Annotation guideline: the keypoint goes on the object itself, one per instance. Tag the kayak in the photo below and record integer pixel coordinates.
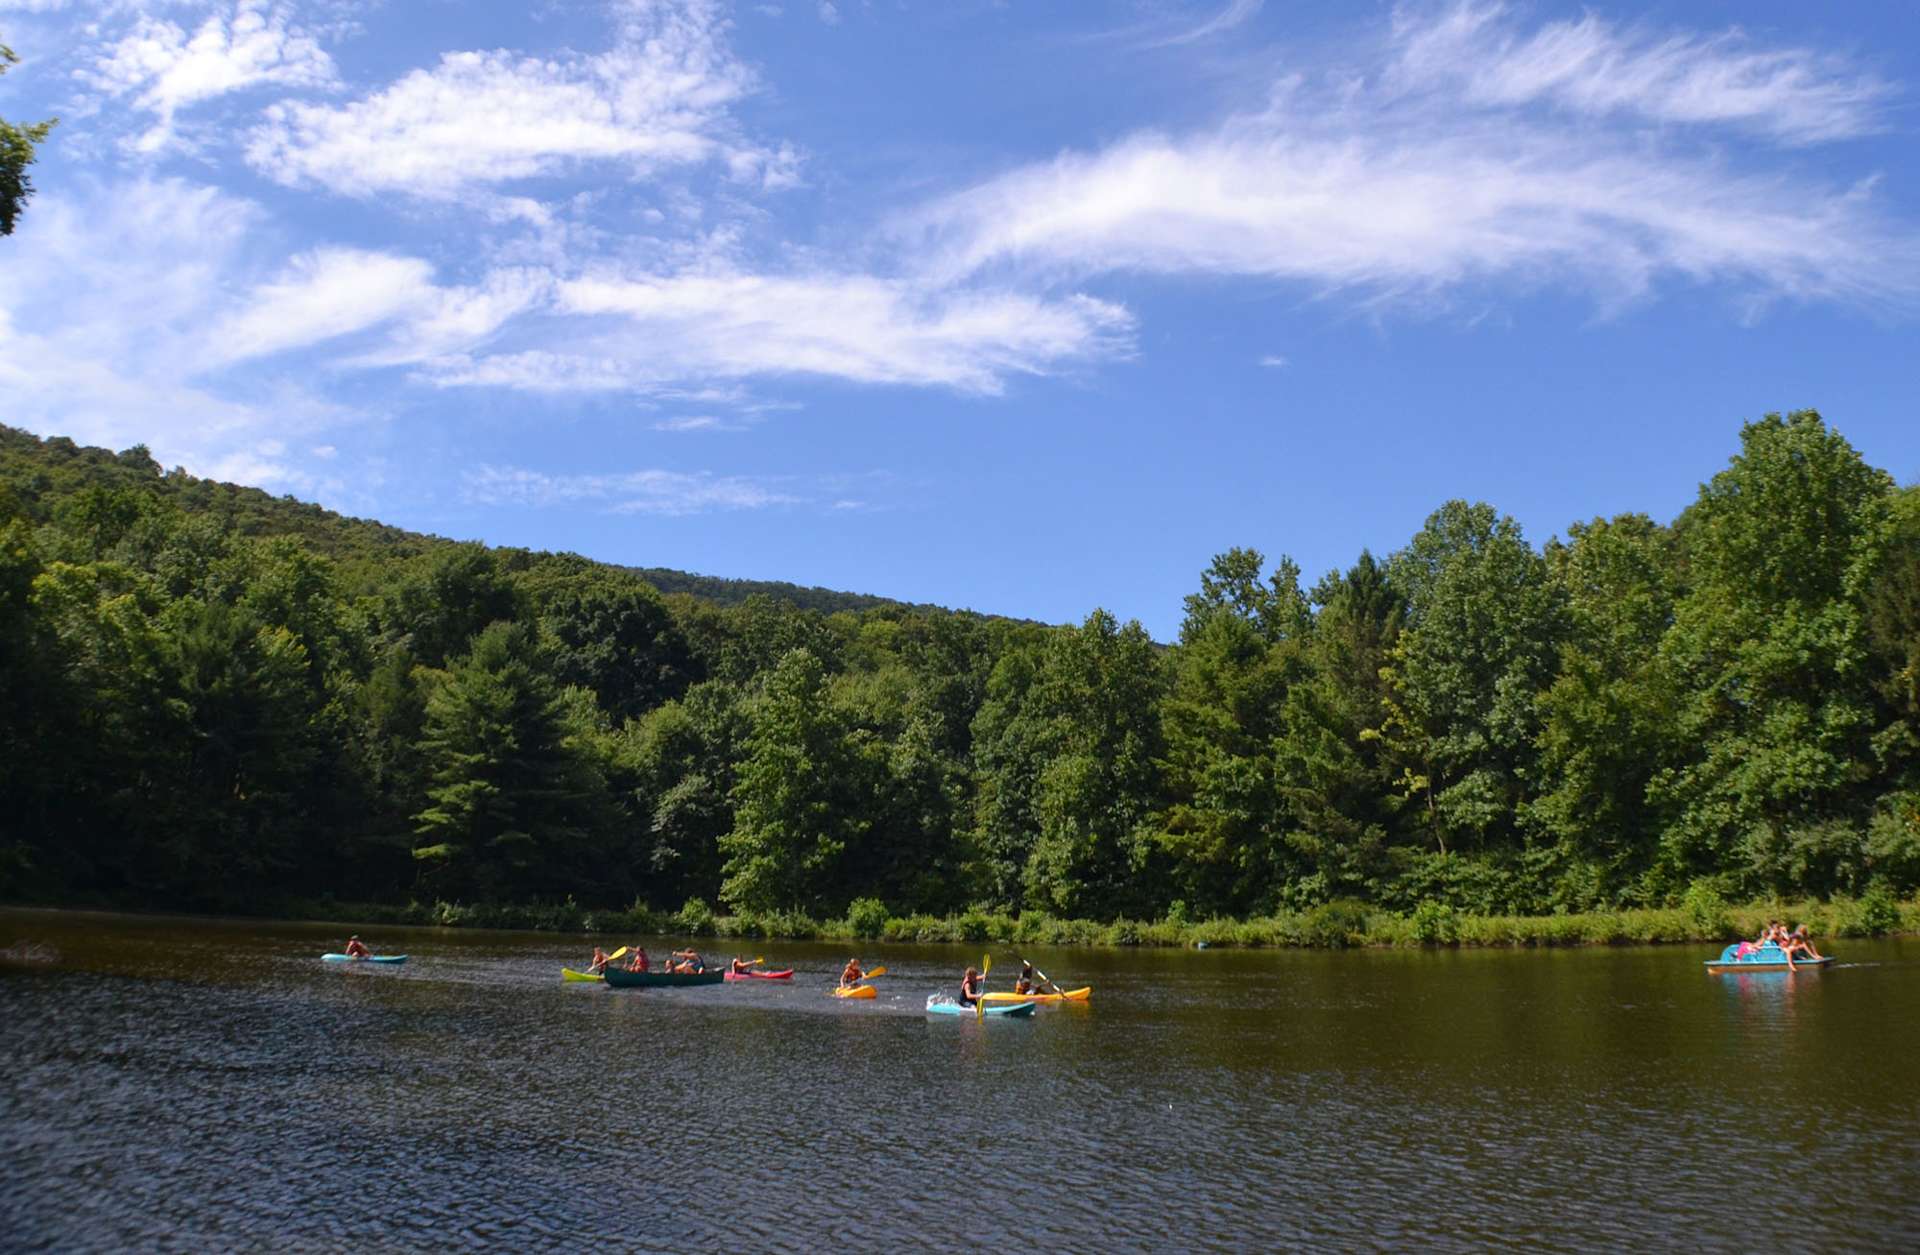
(1068, 995)
(661, 980)
(373, 958)
(1761, 959)
(940, 1004)
(856, 991)
(567, 973)
(786, 975)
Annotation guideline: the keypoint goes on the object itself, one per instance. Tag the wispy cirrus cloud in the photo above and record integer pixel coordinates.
(629, 492)
(1594, 68)
(162, 69)
(657, 332)
(660, 97)
(1465, 154)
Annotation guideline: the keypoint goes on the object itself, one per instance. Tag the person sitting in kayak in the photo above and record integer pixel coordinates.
(850, 975)
(357, 949)
(599, 963)
(970, 988)
(740, 966)
(638, 963)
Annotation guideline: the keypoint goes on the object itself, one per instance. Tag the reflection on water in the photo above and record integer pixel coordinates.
(197, 1086)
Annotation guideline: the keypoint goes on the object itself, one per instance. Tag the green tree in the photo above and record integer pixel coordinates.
(1097, 697)
(794, 813)
(512, 802)
(1334, 777)
(1768, 654)
(1242, 648)
(1607, 718)
(611, 633)
(18, 142)
(676, 769)
(1483, 630)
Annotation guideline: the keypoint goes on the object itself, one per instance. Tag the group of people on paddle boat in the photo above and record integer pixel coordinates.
(1793, 944)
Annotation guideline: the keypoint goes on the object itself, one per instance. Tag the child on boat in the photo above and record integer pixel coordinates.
(638, 963)
(740, 966)
(1798, 944)
(356, 949)
(688, 961)
(970, 988)
(599, 963)
(850, 974)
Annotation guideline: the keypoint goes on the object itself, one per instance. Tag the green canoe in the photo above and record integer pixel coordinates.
(656, 980)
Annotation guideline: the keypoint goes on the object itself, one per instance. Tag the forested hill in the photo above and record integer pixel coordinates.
(210, 697)
(56, 468)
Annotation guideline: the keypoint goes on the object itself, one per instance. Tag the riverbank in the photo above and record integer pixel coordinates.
(1701, 918)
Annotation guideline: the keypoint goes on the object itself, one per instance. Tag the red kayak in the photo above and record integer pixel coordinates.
(786, 975)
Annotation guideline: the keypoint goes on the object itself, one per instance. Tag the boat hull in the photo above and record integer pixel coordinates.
(1762, 959)
(856, 991)
(786, 975)
(661, 980)
(1017, 1009)
(1065, 995)
(567, 973)
(376, 958)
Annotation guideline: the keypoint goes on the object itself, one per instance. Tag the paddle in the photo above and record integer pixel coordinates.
(980, 1003)
(1043, 976)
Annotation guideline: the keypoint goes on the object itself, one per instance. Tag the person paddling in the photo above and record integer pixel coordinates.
(599, 963)
(357, 949)
(688, 961)
(638, 963)
(970, 987)
(740, 966)
(851, 975)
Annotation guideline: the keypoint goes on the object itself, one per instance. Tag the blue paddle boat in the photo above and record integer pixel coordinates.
(1744, 956)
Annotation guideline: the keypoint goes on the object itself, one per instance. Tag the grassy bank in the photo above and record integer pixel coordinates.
(1701, 918)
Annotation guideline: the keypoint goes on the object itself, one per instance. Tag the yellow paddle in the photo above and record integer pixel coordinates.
(980, 1003)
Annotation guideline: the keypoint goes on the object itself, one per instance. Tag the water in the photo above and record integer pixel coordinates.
(194, 1086)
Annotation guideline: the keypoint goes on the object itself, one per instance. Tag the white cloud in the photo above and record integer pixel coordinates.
(1236, 13)
(1589, 67)
(629, 492)
(1274, 360)
(1364, 185)
(166, 70)
(853, 327)
(322, 295)
(829, 14)
(697, 422)
(658, 98)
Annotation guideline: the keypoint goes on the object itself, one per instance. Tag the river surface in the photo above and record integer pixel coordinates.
(191, 1085)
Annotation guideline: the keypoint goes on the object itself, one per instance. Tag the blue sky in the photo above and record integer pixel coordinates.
(1025, 307)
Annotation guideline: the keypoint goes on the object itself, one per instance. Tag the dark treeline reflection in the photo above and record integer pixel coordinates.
(213, 698)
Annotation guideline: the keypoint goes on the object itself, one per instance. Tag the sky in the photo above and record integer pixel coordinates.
(1029, 308)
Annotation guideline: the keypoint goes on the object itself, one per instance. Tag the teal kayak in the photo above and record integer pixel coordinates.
(940, 1004)
(373, 958)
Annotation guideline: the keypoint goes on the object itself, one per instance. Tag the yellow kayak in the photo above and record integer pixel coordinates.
(567, 973)
(1071, 995)
(856, 991)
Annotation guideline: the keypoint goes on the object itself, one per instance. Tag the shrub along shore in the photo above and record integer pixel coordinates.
(1702, 918)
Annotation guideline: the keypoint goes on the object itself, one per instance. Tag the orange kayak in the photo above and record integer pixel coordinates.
(856, 991)
(1066, 995)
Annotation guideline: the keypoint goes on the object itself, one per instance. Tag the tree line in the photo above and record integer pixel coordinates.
(213, 698)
